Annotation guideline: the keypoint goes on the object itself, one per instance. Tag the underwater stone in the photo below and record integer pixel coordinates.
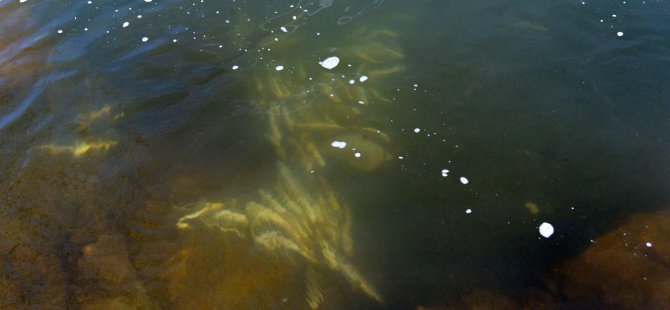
(619, 270)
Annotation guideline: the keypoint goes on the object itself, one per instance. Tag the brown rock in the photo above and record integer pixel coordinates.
(105, 270)
(627, 268)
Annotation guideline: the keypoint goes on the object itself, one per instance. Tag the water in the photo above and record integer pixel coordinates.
(185, 170)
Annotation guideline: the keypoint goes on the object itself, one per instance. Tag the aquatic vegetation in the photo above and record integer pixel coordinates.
(80, 148)
(286, 155)
(296, 229)
(310, 105)
(91, 124)
(290, 223)
(315, 110)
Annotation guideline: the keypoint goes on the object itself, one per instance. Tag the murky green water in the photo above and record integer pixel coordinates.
(197, 155)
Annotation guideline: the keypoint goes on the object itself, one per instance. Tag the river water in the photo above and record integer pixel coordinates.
(181, 155)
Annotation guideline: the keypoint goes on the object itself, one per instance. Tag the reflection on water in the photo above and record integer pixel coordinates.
(331, 154)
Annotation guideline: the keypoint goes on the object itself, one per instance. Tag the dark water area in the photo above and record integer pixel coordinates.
(201, 155)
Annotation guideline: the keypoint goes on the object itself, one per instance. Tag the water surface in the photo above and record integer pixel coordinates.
(479, 121)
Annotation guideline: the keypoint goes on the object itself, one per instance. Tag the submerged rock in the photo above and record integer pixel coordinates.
(627, 268)
(107, 264)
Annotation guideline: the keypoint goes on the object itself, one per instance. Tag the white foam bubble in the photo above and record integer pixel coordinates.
(235, 67)
(339, 144)
(417, 130)
(648, 244)
(357, 154)
(445, 172)
(279, 68)
(330, 62)
(468, 211)
(619, 34)
(363, 78)
(126, 24)
(145, 39)
(464, 180)
(546, 230)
